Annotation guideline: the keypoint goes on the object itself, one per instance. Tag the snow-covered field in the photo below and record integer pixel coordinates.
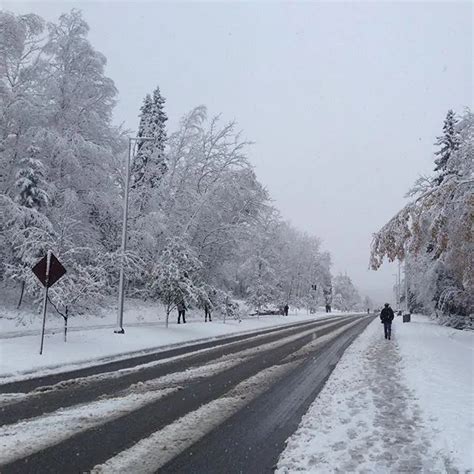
(404, 405)
(27, 320)
(91, 340)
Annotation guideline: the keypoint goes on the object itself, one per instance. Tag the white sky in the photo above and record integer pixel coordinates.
(343, 100)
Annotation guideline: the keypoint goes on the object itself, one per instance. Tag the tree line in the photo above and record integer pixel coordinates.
(201, 226)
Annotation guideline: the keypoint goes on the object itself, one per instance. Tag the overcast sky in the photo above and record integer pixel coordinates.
(342, 100)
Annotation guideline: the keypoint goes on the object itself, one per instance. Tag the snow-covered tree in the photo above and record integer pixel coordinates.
(368, 303)
(149, 162)
(175, 276)
(449, 144)
(346, 297)
(30, 181)
(262, 288)
(202, 224)
(433, 232)
(58, 149)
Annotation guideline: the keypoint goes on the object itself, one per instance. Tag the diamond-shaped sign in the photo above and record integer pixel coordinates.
(56, 270)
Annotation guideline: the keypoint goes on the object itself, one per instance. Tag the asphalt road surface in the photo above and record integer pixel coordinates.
(220, 406)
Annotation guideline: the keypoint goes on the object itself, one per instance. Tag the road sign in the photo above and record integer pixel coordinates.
(48, 271)
(56, 271)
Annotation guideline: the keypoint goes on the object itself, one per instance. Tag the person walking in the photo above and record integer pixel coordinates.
(181, 311)
(285, 310)
(386, 316)
(207, 311)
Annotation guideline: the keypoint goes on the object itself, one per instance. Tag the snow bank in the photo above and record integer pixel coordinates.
(438, 363)
(136, 312)
(27, 320)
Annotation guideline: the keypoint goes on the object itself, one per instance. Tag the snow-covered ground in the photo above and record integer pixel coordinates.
(405, 405)
(91, 339)
(27, 320)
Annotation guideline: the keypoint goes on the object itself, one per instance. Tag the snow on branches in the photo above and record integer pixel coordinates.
(202, 228)
(433, 232)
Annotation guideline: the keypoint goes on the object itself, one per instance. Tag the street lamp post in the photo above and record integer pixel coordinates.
(119, 329)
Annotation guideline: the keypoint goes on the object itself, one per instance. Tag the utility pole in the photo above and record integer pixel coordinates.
(119, 329)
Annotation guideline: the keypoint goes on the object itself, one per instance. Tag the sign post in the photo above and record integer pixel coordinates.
(48, 271)
(45, 300)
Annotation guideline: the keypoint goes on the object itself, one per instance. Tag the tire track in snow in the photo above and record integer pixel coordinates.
(155, 451)
(25, 438)
(262, 358)
(70, 384)
(52, 375)
(150, 454)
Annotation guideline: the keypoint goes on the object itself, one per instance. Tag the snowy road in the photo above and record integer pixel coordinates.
(189, 410)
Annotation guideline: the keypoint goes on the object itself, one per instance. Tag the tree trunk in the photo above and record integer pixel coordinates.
(65, 325)
(21, 294)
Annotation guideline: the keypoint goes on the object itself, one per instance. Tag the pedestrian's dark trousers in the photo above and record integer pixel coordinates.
(181, 313)
(387, 326)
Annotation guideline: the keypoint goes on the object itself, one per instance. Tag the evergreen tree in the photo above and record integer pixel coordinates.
(30, 181)
(140, 160)
(149, 164)
(449, 143)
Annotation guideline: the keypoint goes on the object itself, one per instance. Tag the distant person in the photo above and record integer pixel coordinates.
(328, 308)
(368, 310)
(207, 311)
(285, 310)
(181, 311)
(386, 316)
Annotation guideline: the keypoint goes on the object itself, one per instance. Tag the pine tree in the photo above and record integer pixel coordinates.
(449, 143)
(141, 159)
(30, 180)
(149, 164)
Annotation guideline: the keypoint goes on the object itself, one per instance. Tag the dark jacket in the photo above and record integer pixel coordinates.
(386, 316)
